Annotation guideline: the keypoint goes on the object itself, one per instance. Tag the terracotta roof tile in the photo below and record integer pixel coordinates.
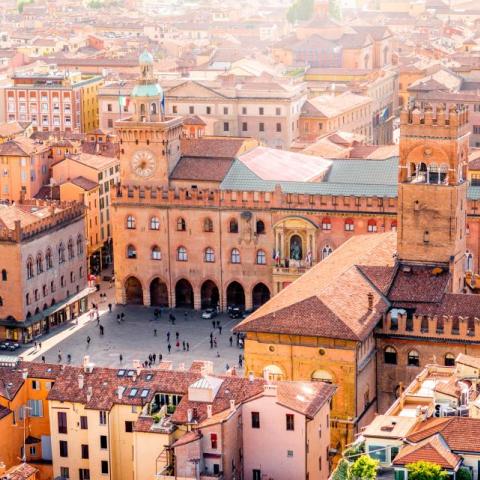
(23, 471)
(203, 169)
(84, 183)
(211, 147)
(4, 411)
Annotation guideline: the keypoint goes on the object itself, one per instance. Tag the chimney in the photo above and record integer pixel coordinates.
(209, 411)
(189, 415)
(3, 468)
(251, 377)
(120, 391)
(232, 405)
(86, 361)
(370, 301)
(138, 369)
(89, 393)
(181, 367)
(80, 382)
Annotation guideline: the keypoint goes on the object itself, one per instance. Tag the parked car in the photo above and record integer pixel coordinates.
(209, 313)
(10, 346)
(235, 312)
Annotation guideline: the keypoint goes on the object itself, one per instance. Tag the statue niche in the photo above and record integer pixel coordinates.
(296, 252)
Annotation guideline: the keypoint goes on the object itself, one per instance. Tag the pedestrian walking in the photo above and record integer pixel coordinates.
(188, 347)
(110, 307)
(220, 329)
(185, 315)
(88, 341)
(211, 343)
(69, 358)
(169, 347)
(150, 357)
(240, 360)
(184, 346)
(59, 357)
(211, 335)
(177, 335)
(218, 354)
(160, 357)
(39, 345)
(101, 330)
(154, 357)
(122, 316)
(213, 323)
(154, 332)
(178, 345)
(227, 367)
(231, 341)
(168, 337)
(215, 342)
(120, 357)
(43, 358)
(35, 344)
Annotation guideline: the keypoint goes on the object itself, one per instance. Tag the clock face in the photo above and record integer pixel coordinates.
(144, 163)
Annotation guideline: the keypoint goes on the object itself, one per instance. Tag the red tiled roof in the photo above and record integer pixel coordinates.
(381, 277)
(203, 169)
(188, 438)
(11, 381)
(432, 450)
(452, 304)
(84, 183)
(4, 411)
(211, 147)
(23, 471)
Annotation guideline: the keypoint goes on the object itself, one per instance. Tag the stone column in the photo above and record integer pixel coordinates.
(146, 297)
(197, 298)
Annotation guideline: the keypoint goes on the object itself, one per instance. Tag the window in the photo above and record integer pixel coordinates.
(61, 253)
(261, 110)
(29, 267)
(182, 255)
(4, 275)
(261, 127)
(129, 427)
(449, 360)
(156, 253)
(64, 472)
(256, 474)
(349, 225)
(235, 256)
(208, 225)
(261, 257)
(104, 467)
(372, 226)
(278, 111)
(36, 408)
(154, 223)
(191, 109)
(35, 385)
(326, 223)
(213, 441)
(131, 252)
(103, 441)
(279, 127)
(63, 448)
(48, 259)
(39, 263)
(84, 474)
(102, 417)
(130, 222)
(226, 126)
(79, 245)
(377, 452)
(390, 355)
(71, 253)
(181, 225)
(209, 110)
(260, 227)
(62, 422)
(290, 420)
(84, 422)
(233, 226)
(244, 110)
(84, 449)
(209, 255)
(174, 109)
(225, 111)
(244, 127)
(413, 358)
(255, 420)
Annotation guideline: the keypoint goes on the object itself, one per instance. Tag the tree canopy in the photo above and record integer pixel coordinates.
(300, 10)
(426, 471)
(363, 468)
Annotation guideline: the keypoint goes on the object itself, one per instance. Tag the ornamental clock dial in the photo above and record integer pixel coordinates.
(144, 163)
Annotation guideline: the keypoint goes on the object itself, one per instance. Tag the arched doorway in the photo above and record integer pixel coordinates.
(260, 295)
(209, 295)
(158, 293)
(183, 294)
(134, 291)
(235, 295)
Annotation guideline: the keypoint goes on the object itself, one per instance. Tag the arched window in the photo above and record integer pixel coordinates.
(48, 259)
(233, 226)
(182, 255)
(181, 225)
(154, 223)
(440, 325)
(4, 275)
(142, 109)
(390, 355)
(261, 257)
(29, 267)
(413, 358)
(1, 302)
(322, 376)
(131, 252)
(349, 225)
(424, 324)
(27, 299)
(326, 251)
(156, 253)
(260, 227)
(79, 245)
(153, 108)
(326, 223)
(131, 224)
(208, 225)
(372, 225)
(71, 253)
(209, 255)
(61, 253)
(235, 255)
(449, 360)
(39, 263)
(468, 261)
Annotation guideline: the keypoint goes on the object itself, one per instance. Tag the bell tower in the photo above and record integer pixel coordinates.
(432, 189)
(149, 140)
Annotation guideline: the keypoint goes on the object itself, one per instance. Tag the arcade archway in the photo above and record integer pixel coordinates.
(260, 295)
(133, 291)
(158, 293)
(209, 293)
(183, 294)
(235, 295)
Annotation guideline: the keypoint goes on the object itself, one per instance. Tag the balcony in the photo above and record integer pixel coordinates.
(291, 270)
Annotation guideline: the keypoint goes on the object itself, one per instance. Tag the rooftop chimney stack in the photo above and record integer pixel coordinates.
(80, 381)
(209, 411)
(251, 377)
(89, 393)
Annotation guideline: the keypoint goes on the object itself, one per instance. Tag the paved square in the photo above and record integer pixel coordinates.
(134, 338)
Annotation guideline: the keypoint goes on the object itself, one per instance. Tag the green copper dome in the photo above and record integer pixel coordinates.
(150, 90)
(145, 57)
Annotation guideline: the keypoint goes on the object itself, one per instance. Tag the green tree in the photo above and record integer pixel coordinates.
(426, 471)
(300, 10)
(464, 474)
(363, 468)
(341, 472)
(335, 9)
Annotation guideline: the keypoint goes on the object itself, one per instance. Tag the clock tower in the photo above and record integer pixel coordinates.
(149, 141)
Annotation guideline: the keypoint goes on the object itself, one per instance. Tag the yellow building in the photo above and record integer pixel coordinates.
(320, 328)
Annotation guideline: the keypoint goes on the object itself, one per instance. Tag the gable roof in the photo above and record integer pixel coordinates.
(318, 304)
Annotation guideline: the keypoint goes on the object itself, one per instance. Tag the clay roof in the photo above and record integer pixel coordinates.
(12, 148)
(432, 450)
(203, 169)
(319, 302)
(10, 128)
(389, 426)
(24, 471)
(11, 381)
(381, 277)
(461, 434)
(4, 411)
(332, 106)
(193, 120)
(454, 304)
(98, 162)
(84, 183)
(188, 438)
(211, 147)
(468, 360)
(47, 192)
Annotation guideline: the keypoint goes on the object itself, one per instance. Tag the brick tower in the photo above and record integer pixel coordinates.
(433, 189)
